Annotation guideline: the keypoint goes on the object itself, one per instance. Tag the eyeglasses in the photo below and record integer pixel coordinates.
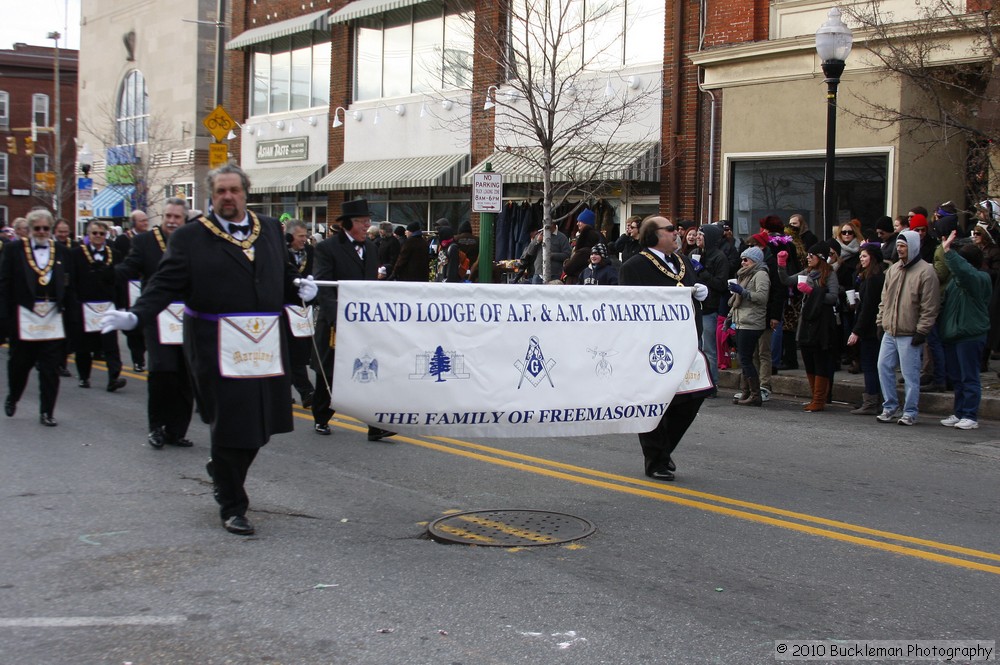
(668, 229)
(744, 259)
(847, 233)
(40, 228)
(98, 233)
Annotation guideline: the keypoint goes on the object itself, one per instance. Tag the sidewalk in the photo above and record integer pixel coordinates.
(848, 387)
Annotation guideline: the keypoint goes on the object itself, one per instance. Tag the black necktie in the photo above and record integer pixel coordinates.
(239, 228)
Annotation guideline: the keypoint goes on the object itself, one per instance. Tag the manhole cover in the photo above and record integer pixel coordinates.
(509, 528)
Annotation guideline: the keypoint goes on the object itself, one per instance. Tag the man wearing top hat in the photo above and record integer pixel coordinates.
(346, 255)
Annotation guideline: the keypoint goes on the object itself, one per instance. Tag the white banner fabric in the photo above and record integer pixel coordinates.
(513, 360)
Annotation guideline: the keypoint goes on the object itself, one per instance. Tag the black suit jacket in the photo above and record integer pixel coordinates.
(213, 276)
(19, 284)
(640, 271)
(337, 259)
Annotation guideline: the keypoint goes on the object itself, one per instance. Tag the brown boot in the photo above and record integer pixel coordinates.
(820, 389)
(871, 405)
(811, 378)
(744, 389)
(753, 398)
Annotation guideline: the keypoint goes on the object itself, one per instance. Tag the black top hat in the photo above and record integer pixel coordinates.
(356, 208)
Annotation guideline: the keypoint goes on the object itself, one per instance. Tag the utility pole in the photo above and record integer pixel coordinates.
(56, 133)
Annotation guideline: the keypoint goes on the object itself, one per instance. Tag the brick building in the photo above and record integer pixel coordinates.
(27, 97)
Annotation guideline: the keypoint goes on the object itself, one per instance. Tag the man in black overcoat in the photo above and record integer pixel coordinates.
(170, 398)
(660, 264)
(34, 272)
(230, 269)
(94, 279)
(346, 255)
(135, 339)
(301, 256)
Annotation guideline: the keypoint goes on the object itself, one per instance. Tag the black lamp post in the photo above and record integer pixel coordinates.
(833, 45)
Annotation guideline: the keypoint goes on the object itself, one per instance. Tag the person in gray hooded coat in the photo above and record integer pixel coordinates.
(712, 271)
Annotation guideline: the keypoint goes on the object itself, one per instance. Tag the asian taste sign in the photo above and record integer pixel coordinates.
(283, 150)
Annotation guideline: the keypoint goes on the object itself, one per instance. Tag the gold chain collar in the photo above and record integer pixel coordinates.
(679, 277)
(242, 244)
(160, 240)
(90, 257)
(41, 272)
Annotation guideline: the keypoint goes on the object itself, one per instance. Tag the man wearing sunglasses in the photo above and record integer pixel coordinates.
(94, 276)
(660, 264)
(35, 291)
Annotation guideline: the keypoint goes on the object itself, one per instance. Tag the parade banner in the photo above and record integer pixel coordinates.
(513, 360)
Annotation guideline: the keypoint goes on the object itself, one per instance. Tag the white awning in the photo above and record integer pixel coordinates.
(362, 8)
(276, 180)
(316, 21)
(431, 171)
(113, 201)
(618, 161)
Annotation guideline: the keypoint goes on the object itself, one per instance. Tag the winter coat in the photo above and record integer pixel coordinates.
(911, 297)
(965, 312)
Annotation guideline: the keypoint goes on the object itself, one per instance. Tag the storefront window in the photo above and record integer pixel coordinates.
(782, 187)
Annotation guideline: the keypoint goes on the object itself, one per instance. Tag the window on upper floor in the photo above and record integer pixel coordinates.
(4, 109)
(598, 35)
(40, 109)
(132, 113)
(4, 216)
(422, 48)
(4, 183)
(290, 74)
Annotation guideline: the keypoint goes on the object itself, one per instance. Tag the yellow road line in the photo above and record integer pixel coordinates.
(671, 495)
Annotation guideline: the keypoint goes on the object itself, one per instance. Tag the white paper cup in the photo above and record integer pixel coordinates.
(852, 296)
(803, 279)
(696, 257)
(733, 281)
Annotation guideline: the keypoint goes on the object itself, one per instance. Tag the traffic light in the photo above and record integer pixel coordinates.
(12, 145)
(29, 146)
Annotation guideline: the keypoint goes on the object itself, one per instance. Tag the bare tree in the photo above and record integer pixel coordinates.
(949, 55)
(148, 152)
(558, 110)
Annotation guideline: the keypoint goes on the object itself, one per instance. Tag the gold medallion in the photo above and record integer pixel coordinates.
(44, 279)
(249, 253)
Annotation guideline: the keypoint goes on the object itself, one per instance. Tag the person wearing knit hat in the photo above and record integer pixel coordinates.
(911, 299)
(772, 224)
(761, 239)
(587, 236)
(599, 271)
(818, 334)
(748, 316)
(918, 221)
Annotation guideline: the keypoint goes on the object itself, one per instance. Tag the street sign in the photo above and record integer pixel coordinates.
(219, 123)
(218, 155)
(84, 198)
(487, 192)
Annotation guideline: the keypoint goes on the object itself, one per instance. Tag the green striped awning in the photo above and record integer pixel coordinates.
(582, 163)
(275, 180)
(430, 171)
(362, 8)
(318, 21)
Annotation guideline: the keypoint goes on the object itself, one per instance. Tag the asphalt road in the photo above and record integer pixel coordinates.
(782, 526)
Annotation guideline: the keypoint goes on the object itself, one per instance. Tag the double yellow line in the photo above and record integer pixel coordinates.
(888, 541)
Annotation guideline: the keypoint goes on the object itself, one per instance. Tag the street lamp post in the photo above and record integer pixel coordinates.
(833, 45)
(56, 129)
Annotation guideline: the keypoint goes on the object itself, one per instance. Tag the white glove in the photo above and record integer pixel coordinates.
(117, 320)
(700, 292)
(307, 289)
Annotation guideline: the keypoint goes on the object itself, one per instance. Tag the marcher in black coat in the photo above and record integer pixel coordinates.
(170, 394)
(135, 339)
(32, 271)
(301, 256)
(659, 264)
(347, 255)
(94, 276)
(231, 270)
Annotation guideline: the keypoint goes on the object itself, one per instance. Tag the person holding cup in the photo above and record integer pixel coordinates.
(748, 316)
(817, 331)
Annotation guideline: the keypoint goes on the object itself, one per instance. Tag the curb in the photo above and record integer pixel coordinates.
(795, 384)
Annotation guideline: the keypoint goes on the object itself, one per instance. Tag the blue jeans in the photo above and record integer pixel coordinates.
(777, 336)
(963, 359)
(898, 352)
(708, 344)
(868, 357)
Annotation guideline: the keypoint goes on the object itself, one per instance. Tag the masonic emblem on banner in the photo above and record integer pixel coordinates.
(534, 365)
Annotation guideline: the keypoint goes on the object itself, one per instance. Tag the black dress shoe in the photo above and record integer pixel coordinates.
(139, 367)
(179, 442)
(239, 525)
(84, 383)
(115, 384)
(156, 438)
(47, 420)
(662, 474)
(322, 429)
(376, 434)
(9, 407)
(670, 464)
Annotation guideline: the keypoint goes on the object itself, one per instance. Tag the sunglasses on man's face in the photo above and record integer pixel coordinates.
(39, 228)
(847, 233)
